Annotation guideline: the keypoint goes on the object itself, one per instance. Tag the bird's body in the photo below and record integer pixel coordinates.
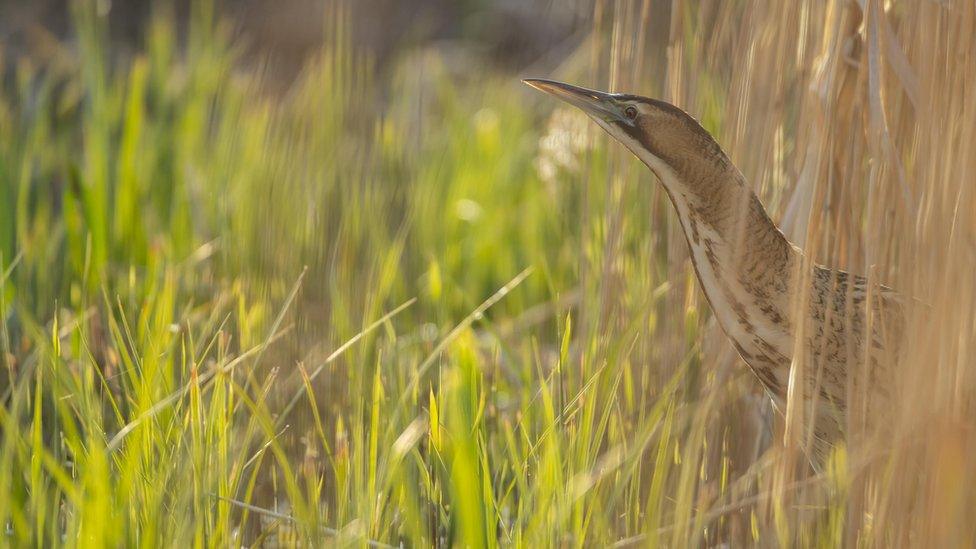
(764, 293)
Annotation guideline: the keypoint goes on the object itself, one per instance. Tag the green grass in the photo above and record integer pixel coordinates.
(388, 306)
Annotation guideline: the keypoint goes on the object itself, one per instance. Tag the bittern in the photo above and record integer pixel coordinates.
(765, 296)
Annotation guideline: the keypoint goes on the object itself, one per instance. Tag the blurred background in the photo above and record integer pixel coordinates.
(506, 35)
(315, 272)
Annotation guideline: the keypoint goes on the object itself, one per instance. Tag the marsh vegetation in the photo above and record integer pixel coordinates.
(418, 304)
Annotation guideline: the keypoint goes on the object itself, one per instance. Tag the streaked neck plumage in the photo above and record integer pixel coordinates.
(760, 288)
(744, 263)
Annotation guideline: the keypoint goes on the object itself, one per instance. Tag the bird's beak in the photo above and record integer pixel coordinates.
(595, 103)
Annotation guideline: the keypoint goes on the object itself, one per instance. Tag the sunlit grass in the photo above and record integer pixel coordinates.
(417, 307)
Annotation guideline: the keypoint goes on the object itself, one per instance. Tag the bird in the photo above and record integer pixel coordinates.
(776, 307)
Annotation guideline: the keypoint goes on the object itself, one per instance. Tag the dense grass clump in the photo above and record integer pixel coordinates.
(414, 306)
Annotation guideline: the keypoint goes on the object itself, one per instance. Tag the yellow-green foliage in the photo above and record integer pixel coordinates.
(417, 306)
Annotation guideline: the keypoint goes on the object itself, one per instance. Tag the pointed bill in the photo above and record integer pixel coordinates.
(598, 104)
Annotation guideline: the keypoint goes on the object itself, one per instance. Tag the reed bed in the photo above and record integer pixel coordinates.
(418, 305)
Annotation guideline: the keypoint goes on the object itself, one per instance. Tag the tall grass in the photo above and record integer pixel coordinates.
(415, 306)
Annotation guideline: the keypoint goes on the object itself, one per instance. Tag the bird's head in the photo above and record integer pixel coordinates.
(663, 136)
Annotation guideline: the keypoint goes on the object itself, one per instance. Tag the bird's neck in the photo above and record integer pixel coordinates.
(744, 263)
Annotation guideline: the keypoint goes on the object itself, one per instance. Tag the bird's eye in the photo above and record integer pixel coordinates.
(630, 112)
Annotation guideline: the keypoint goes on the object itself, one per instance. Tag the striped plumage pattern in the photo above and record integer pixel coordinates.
(769, 299)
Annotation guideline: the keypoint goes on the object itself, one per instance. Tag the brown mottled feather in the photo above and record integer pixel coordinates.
(757, 280)
(765, 294)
